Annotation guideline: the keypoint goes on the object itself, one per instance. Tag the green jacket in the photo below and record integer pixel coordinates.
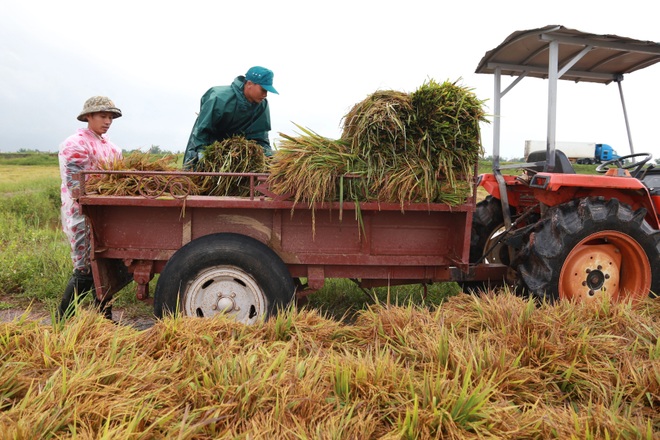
(225, 112)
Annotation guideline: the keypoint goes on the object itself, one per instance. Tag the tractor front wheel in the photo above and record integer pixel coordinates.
(487, 227)
(485, 244)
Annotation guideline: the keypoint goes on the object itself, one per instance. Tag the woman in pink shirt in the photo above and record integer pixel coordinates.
(84, 150)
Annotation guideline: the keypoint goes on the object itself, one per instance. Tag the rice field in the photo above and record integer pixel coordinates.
(475, 367)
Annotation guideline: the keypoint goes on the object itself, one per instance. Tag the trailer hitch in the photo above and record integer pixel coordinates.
(142, 274)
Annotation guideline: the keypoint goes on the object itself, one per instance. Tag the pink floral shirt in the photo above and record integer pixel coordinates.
(80, 151)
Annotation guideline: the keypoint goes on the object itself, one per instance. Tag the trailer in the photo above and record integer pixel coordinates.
(246, 255)
(547, 232)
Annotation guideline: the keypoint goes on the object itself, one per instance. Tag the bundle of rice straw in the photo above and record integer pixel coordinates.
(377, 130)
(309, 167)
(378, 124)
(232, 155)
(131, 184)
(446, 128)
(413, 179)
(418, 148)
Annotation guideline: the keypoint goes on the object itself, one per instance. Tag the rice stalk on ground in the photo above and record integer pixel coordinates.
(489, 366)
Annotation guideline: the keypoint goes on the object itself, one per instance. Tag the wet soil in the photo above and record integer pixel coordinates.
(14, 307)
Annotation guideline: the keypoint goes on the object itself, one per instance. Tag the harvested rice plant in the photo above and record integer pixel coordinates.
(311, 168)
(232, 155)
(377, 129)
(420, 147)
(474, 367)
(127, 184)
(446, 125)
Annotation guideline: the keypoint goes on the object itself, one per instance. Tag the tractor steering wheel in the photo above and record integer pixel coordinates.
(602, 168)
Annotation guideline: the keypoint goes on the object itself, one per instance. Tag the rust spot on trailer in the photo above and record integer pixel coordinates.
(248, 222)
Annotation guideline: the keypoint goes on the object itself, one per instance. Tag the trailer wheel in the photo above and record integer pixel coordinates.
(224, 273)
(590, 248)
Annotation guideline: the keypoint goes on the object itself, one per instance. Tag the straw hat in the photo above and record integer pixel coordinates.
(99, 104)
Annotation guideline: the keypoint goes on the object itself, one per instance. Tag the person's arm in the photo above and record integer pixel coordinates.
(204, 132)
(75, 158)
(259, 129)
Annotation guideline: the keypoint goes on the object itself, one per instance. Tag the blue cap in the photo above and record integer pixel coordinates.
(262, 76)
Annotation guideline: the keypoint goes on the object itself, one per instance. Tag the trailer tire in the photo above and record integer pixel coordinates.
(224, 273)
(590, 248)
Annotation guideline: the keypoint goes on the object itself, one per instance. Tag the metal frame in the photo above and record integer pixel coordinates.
(552, 39)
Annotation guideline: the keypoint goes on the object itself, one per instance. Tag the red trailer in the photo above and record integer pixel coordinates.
(245, 255)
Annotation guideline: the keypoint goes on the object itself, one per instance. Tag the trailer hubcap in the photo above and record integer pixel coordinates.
(607, 263)
(225, 290)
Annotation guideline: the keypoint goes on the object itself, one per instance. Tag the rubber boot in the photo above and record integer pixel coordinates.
(77, 288)
(104, 307)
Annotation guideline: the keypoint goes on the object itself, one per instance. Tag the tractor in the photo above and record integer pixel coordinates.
(569, 236)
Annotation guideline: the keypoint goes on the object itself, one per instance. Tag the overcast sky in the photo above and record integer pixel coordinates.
(155, 59)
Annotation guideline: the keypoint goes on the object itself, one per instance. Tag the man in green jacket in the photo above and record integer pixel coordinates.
(238, 109)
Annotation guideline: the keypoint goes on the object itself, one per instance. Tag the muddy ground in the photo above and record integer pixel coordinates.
(12, 307)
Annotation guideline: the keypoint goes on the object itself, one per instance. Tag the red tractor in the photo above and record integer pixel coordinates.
(566, 235)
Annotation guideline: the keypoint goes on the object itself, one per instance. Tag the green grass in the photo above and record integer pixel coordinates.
(28, 159)
(342, 299)
(34, 253)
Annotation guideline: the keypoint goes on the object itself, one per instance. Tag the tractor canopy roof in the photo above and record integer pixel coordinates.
(581, 56)
(553, 53)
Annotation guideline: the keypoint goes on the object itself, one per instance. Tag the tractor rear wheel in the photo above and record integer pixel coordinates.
(590, 248)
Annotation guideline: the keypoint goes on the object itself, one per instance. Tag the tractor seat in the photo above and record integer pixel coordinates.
(562, 164)
(651, 179)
